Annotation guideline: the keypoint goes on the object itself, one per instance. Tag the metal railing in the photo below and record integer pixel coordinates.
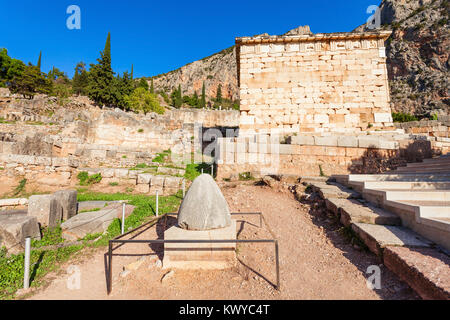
(119, 240)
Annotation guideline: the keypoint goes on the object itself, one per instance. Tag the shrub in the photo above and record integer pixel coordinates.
(142, 100)
(403, 117)
(245, 176)
(86, 180)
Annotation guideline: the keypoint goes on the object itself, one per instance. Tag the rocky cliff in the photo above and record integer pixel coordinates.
(418, 55)
(219, 68)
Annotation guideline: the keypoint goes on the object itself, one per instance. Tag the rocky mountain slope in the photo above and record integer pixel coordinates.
(417, 53)
(219, 68)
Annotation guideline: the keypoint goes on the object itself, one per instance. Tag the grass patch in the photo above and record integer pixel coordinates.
(113, 184)
(322, 174)
(86, 179)
(90, 210)
(193, 170)
(45, 261)
(20, 188)
(161, 157)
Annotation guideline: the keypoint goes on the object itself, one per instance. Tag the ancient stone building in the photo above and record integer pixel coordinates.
(314, 83)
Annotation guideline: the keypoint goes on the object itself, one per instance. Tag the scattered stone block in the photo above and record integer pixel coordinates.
(68, 201)
(93, 222)
(13, 202)
(14, 228)
(46, 209)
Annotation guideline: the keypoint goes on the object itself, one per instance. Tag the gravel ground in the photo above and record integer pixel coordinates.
(316, 260)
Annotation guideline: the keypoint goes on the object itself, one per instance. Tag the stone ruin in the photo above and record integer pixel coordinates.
(203, 215)
(315, 104)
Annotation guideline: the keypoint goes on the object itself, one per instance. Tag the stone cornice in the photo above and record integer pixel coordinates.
(343, 36)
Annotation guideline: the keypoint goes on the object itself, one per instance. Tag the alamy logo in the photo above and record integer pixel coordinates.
(374, 281)
(74, 280)
(74, 20)
(374, 21)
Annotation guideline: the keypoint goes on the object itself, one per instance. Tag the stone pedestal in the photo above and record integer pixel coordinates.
(200, 255)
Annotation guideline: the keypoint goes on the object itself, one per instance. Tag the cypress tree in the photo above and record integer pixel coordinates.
(203, 99)
(152, 88)
(219, 93)
(101, 78)
(179, 97)
(132, 73)
(39, 61)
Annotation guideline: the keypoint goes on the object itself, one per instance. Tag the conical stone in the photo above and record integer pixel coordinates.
(204, 206)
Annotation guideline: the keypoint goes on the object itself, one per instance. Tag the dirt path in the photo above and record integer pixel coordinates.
(316, 261)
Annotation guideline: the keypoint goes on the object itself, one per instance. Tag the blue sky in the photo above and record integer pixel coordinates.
(158, 36)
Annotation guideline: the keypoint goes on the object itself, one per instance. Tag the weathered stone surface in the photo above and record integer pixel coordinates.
(46, 208)
(93, 222)
(200, 255)
(426, 270)
(377, 237)
(13, 202)
(14, 228)
(204, 206)
(172, 182)
(68, 201)
(144, 178)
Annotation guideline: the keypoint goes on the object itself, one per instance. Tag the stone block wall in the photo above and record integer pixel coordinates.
(319, 83)
(314, 155)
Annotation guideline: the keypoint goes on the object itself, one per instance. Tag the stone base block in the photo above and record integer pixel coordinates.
(200, 255)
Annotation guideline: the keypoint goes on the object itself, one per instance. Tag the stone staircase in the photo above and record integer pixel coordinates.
(419, 194)
(403, 216)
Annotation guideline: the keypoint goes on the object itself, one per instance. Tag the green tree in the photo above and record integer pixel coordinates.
(30, 82)
(219, 94)
(80, 81)
(142, 100)
(39, 61)
(9, 68)
(123, 87)
(152, 87)
(132, 72)
(101, 78)
(203, 99)
(143, 84)
(177, 97)
(58, 76)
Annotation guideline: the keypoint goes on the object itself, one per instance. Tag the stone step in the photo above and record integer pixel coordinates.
(428, 164)
(378, 196)
(433, 169)
(405, 177)
(352, 211)
(426, 270)
(331, 190)
(377, 237)
(406, 185)
(444, 159)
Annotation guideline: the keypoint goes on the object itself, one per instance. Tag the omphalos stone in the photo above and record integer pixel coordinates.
(204, 206)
